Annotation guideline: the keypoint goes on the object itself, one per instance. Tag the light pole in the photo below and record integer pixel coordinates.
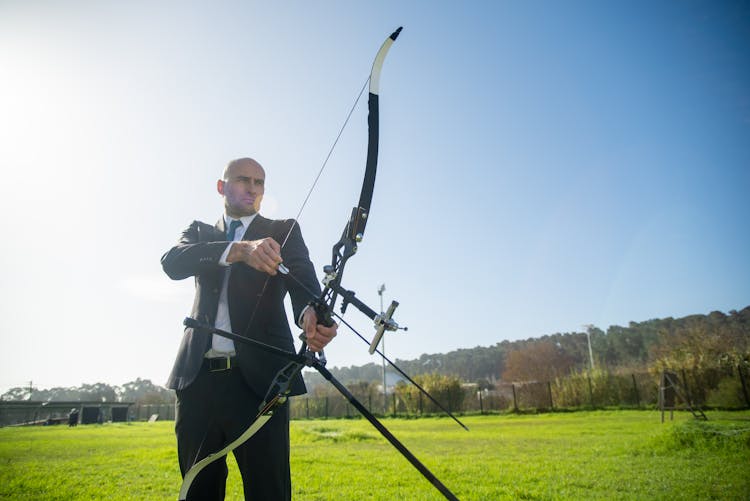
(588, 338)
(381, 289)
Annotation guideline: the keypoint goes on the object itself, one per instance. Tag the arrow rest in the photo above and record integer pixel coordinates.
(330, 275)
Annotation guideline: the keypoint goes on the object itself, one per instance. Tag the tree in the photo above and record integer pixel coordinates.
(445, 389)
(704, 341)
(143, 391)
(98, 391)
(16, 394)
(541, 361)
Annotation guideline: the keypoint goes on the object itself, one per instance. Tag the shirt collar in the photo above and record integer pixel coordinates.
(246, 220)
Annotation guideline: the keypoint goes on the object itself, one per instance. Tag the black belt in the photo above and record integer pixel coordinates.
(219, 363)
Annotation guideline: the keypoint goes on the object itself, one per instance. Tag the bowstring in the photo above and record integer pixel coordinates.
(307, 198)
(325, 162)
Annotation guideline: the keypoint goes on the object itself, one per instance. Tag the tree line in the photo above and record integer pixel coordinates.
(140, 391)
(694, 342)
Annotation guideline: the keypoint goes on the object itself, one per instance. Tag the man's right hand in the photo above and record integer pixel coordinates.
(264, 255)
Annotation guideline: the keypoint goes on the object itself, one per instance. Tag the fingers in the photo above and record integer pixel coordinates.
(317, 335)
(321, 336)
(308, 323)
(264, 255)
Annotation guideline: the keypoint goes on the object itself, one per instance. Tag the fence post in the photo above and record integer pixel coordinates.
(515, 401)
(591, 392)
(421, 409)
(635, 388)
(326, 407)
(687, 388)
(549, 392)
(744, 384)
(481, 406)
(394, 403)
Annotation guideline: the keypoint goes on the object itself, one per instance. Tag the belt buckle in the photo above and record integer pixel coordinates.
(218, 364)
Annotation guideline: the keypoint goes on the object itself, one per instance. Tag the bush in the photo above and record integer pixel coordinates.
(708, 435)
(728, 394)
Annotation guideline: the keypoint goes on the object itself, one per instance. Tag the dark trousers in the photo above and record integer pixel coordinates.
(214, 410)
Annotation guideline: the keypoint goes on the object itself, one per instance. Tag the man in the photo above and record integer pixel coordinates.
(221, 383)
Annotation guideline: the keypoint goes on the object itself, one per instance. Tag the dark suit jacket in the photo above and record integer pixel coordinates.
(197, 254)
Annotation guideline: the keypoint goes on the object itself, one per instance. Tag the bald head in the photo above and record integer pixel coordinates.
(241, 161)
(242, 186)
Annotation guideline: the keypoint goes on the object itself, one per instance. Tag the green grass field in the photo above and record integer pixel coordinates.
(583, 455)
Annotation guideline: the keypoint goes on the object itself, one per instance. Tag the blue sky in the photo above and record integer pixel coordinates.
(543, 165)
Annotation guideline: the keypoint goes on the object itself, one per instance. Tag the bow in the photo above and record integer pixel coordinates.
(324, 303)
(354, 230)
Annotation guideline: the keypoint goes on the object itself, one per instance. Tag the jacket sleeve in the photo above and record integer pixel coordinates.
(198, 250)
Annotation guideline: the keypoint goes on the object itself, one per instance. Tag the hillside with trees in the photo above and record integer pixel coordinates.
(716, 341)
(694, 342)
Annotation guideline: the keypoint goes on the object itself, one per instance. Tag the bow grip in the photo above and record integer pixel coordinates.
(323, 312)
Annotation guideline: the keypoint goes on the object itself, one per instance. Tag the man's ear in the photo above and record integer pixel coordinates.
(220, 186)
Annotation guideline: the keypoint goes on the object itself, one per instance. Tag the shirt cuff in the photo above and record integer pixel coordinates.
(225, 254)
(302, 316)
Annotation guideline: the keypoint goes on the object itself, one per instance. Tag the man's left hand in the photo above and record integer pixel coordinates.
(318, 336)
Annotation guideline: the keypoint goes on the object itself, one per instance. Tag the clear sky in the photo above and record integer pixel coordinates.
(544, 165)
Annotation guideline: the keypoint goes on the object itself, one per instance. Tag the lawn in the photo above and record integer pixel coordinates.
(582, 455)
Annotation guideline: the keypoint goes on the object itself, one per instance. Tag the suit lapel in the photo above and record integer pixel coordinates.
(221, 228)
(259, 228)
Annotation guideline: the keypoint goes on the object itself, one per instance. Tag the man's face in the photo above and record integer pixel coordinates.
(242, 189)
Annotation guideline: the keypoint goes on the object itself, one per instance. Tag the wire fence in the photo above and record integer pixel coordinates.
(724, 388)
(720, 388)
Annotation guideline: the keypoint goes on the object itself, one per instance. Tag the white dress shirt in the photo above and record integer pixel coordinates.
(221, 346)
